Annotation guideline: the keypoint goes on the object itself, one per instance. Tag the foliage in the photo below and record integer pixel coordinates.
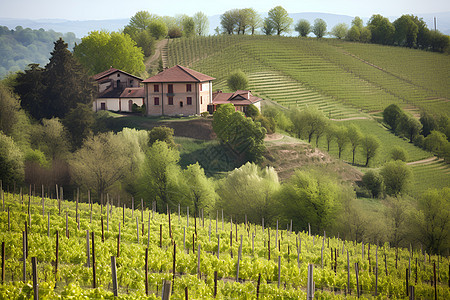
(267, 122)
(309, 122)
(201, 23)
(198, 188)
(303, 27)
(309, 198)
(432, 220)
(340, 30)
(341, 139)
(392, 115)
(11, 161)
(370, 144)
(158, 29)
(100, 50)
(355, 138)
(52, 139)
(237, 81)
(409, 126)
(242, 134)
(188, 25)
(145, 41)
(159, 178)
(9, 109)
(23, 46)
(381, 29)
(398, 211)
(252, 112)
(249, 191)
(406, 31)
(279, 18)
(79, 123)
(162, 134)
(373, 182)
(396, 177)
(436, 142)
(228, 21)
(319, 28)
(399, 153)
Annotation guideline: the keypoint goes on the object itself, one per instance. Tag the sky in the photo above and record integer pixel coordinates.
(124, 9)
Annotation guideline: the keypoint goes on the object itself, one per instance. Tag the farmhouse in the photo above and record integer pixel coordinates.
(118, 91)
(174, 91)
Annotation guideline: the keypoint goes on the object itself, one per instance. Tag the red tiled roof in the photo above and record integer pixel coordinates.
(133, 92)
(236, 98)
(112, 71)
(179, 74)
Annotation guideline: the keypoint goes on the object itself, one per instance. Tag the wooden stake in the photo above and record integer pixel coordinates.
(57, 257)
(3, 262)
(257, 287)
(146, 271)
(114, 276)
(35, 278)
(94, 279)
(118, 242)
(88, 256)
(215, 284)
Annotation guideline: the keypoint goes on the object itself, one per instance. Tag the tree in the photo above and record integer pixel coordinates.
(252, 112)
(423, 33)
(436, 142)
(145, 41)
(188, 27)
(373, 182)
(201, 24)
(432, 220)
(309, 122)
(9, 107)
(409, 126)
(439, 42)
(381, 29)
(396, 177)
(354, 34)
(160, 174)
(199, 189)
(303, 27)
(397, 213)
(370, 145)
(365, 36)
(254, 19)
(310, 198)
(228, 21)
(405, 31)
(268, 27)
(237, 81)
(429, 123)
(89, 167)
(319, 28)
(358, 23)
(355, 138)
(392, 115)
(11, 161)
(340, 30)
(341, 139)
(52, 139)
(79, 123)
(141, 20)
(162, 134)
(398, 153)
(280, 19)
(158, 29)
(249, 191)
(100, 50)
(330, 134)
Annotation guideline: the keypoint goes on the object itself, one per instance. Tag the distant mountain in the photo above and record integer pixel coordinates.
(82, 28)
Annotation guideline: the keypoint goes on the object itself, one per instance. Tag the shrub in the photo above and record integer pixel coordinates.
(398, 153)
(373, 182)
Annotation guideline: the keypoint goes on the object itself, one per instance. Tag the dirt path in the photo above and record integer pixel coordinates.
(152, 60)
(349, 119)
(424, 161)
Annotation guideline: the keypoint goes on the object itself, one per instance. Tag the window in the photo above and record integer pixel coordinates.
(156, 88)
(189, 100)
(170, 100)
(181, 103)
(201, 99)
(170, 89)
(200, 86)
(156, 99)
(188, 87)
(118, 75)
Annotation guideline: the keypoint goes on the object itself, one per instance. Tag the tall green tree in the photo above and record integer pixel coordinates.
(340, 30)
(9, 108)
(100, 50)
(158, 29)
(188, 25)
(303, 27)
(370, 144)
(141, 20)
(11, 161)
(268, 27)
(201, 24)
(237, 81)
(199, 190)
(162, 134)
(280, 20)
(396, 177)
(228, 21)
(254, 20)
(406, 31)
(79, 123)
(355, 138)
(392, 115)
(341, 139)
(319, 28)
(381, 29)
(308, 122)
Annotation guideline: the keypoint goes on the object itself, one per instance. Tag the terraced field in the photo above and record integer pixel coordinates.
(433, 174)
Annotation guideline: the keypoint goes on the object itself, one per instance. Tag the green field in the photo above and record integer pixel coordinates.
(248, 254)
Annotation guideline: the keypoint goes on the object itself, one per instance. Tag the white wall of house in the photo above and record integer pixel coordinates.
(116, 104)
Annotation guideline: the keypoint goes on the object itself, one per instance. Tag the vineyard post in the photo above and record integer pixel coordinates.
(222, 220)
(107, 215)
(407, 282)
(310, 285)
(170, 223)
(43, 202)
(262, 225)
(160, 235)
(193, 243)
(146, 271)
(268, 246)
(35, 278)
(103, 232)
(357, 279)
(199, 275)
(9, 221)
(411, 293)
(253, 243)
(279, 270)
(186, 294)
(203, 219)
(231, 223)
(3, 262)
(132, 207)
(187, 217)
(88, 258)
(57, 257)
(321, 256)
(118, 242)
(142, 209)
(309, 229)
(276, 236)
(231, 243)
(348, 274)
(166, 289)
(94, 284)
(385, 264)
(48, 224)
(3, 199)
(238, 261)
(416, 274)
(78, 197)
(90, 220)
(376, 272)
(174, 261)
(218, 246)
(184, 238)
(236, 226)
(137, 229)
(215, 284)
(434, 281)
(217, 220)
(114, 275)
(26, 240)
(148, 231)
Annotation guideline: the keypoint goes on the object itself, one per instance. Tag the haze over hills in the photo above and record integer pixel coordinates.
(82, 28)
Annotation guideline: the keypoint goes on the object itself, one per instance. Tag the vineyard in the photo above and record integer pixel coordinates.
(338, 77)
(68, 248)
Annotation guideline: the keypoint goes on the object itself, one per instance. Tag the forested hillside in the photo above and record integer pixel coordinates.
(22, 46)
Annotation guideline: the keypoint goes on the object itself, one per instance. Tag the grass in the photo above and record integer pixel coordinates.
(435, 174)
